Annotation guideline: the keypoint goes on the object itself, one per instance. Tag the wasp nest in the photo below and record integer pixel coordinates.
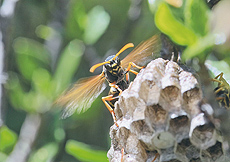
(161, 113)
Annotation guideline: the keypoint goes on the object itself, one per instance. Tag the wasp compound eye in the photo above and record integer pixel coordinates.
(108, 66)
(110, 58)
(118, 61)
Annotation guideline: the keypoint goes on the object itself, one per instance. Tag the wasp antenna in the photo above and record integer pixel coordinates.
(97, 65)
(103, 63)
(129, 45)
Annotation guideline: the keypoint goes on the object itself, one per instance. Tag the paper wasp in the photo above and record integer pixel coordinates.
(115, 71)
(222, 90)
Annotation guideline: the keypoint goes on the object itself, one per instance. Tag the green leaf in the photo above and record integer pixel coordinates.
(201, 48)
(42, 81)
(35, 102)
(45, 153)
(27, 101)
(59, 134)
(169, 25)
(76, 20)
(30, 102)
(39, 98)
(196, 16)
(7, 139)
(30, 56)
(84, 153)
(16, 93)
(45, 32)
(68, 64)
(44, 85)
(97, 22)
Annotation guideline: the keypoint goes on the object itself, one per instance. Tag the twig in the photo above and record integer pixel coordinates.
(6, 12)
(26, 139)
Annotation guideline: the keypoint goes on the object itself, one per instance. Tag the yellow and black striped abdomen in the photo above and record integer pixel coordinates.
(222, 96)
(222, 91)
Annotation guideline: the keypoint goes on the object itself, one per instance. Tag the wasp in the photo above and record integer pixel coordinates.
(222, 90)
(115, 71)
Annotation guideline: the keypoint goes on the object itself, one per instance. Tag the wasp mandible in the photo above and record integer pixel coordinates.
(222, 90)
(115, 71)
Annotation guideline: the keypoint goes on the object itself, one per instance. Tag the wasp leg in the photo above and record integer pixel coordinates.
(115, 86)
(223, 101)
(220, 98)
(134, 65)
(122, 154)
(216, 80)
(134, 72)
(156, 156)
(219, 89)
(110, 98)
(220, 75)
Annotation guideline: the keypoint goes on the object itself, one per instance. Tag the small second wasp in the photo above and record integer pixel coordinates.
(222, 91)
(115, 71)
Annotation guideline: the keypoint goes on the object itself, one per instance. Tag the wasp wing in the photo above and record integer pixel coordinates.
(82, 95)
(144, 52)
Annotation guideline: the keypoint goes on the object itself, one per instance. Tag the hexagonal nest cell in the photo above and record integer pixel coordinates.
(160, 113)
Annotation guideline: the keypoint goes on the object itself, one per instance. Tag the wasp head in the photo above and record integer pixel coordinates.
(113, 64)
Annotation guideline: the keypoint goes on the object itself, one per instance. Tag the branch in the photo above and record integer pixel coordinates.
(6, 13)
(26, 139)
(161, 112)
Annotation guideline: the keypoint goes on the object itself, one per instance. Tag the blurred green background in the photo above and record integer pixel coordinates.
(48, 45)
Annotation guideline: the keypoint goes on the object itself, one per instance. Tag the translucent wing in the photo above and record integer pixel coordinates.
(144, 52)
(81, 96)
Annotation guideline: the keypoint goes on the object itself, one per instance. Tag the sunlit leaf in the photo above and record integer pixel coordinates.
(45, 153)
(68, 63)
(42, 81)
(76, 20)
(59, 134)
(84, 153)
(37, 99)
(36, 102)
(201, 48)
(97, 22)
(44, 31)
(30, 56)
(30, 101)
(7, 139)
(16, 93)
(31, 48)
(196, 16)
(175, 29)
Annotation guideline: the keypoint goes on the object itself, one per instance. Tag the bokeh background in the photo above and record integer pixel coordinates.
(48, 45)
